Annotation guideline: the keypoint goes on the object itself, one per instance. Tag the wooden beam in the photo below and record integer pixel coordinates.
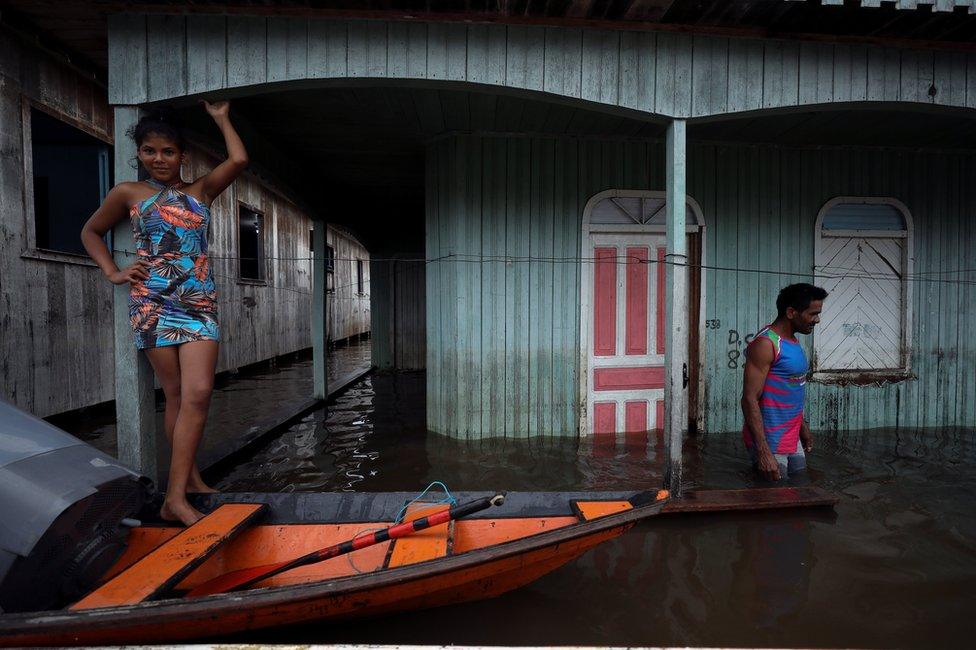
(135, 399)
(320, 326)
(750, 499)
(676, 306)
(484, 18)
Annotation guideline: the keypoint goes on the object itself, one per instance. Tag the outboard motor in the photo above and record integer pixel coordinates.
(62, 506)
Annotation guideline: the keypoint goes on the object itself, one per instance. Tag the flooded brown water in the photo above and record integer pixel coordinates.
(893, 566)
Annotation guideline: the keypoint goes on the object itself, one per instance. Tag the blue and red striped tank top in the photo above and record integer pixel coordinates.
(781, 403)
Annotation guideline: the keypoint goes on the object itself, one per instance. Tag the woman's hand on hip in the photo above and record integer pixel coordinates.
(135, 273)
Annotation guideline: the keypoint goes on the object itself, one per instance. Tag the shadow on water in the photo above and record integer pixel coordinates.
(894, 567)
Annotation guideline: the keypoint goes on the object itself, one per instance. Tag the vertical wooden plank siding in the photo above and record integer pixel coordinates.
(670, 74)
(759, 203)
(382, 299)
(206, 37)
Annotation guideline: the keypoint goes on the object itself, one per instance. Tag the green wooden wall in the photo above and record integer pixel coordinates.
(159, 57)
(503, 337)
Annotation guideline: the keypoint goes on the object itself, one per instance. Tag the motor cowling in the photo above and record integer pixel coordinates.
(64, 510)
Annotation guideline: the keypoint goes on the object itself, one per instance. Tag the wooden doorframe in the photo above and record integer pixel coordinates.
(696, 299)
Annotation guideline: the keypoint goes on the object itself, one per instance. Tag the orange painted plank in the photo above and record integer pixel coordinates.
(423, 545)
(594, 509)
(267, 544)
(472, 534)
(161, 569)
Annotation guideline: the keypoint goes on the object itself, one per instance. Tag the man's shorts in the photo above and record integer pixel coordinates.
(789, 464)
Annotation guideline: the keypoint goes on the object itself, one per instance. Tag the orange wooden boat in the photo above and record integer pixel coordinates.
(141, 599)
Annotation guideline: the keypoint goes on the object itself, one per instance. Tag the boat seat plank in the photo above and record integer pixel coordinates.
(164, 567)
(588, 510)
(750, 499)
(428, 544)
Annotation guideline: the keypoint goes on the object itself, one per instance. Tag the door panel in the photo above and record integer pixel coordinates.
(626, 351)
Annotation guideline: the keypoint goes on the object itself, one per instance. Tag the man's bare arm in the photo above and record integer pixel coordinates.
(806, 437)
(759, 359)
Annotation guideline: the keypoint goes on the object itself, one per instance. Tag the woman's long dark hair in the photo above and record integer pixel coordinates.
(161, 121)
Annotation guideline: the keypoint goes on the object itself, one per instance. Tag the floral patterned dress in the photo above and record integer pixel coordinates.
(178, 303)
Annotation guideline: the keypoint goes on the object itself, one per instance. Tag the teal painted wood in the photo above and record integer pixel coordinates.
(668, 74)
(492, 290)
(206, 37)
(247, 46)
(933, 187)
(127, 59)
(710, 75)
(760, 205)
(745, 75)
(167, 51)
(287, 48)
(467, 275)
(566, 290)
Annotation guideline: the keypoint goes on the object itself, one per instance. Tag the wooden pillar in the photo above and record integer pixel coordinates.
(381, 310)
(320, 324)
(135, 399)
(676, 308)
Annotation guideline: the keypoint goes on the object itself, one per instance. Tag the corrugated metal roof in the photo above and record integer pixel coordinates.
(935, 5)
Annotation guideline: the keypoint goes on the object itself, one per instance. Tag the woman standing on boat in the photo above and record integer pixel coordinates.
(173, 299)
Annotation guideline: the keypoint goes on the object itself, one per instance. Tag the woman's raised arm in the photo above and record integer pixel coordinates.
(223, 174)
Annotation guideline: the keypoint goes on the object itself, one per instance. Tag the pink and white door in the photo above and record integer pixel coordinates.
(626, 351)
(622, 311)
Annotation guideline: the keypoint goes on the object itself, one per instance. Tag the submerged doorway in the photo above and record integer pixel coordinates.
(622, 311)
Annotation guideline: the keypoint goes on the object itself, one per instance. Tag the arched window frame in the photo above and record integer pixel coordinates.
(908, 263)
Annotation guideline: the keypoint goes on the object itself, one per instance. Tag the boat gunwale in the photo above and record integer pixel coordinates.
(149, 612)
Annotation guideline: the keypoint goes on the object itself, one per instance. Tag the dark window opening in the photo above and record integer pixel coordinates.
(251, 243)
(329, 259)
(359, 277)
(72, 175)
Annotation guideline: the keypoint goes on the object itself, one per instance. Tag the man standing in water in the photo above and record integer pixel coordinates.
(774, 382)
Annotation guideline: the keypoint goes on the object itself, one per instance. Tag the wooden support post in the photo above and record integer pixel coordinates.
(135, 399)
(676, 308)
(382, 302)
(320, 325)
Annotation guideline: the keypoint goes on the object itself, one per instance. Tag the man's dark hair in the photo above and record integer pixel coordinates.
(798, 296)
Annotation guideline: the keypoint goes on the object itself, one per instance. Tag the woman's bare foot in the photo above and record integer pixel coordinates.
(180, 511)
(200, 487)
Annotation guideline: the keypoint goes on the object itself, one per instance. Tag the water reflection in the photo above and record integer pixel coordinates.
(895, 566)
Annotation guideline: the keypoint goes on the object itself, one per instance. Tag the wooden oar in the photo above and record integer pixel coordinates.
(246, 577)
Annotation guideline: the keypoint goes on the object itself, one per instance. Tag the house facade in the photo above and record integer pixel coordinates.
(579, 221)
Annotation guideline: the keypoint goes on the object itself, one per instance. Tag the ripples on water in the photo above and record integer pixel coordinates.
(894, 567)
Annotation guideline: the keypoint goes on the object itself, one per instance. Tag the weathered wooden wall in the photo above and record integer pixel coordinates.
(56, 309)
(259, 320)
(761, 204)
(503, 337)
(410, 313)
(397, 293)
(349, 310)
(680, 75)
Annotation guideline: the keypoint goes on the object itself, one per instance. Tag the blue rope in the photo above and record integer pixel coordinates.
(448, 498)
